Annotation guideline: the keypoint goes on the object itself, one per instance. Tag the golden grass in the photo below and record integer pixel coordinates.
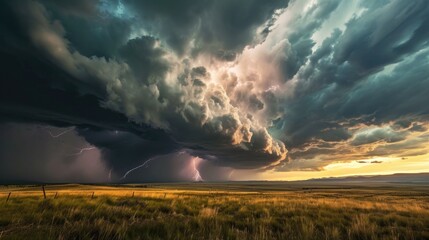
(160, 212)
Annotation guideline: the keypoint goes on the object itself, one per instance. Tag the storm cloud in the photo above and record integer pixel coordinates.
(279, 85)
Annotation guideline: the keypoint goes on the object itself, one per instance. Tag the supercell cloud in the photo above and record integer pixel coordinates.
(203, 88)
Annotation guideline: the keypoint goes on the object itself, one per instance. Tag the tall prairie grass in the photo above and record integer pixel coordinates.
(114, 213)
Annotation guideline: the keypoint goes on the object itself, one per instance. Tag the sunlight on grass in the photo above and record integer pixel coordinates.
(155, 213)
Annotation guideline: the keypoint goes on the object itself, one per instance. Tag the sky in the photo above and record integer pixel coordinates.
(204, 90)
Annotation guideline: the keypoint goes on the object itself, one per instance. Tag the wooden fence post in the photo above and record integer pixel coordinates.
(8, 196)
(56, 194)
(92, 195)
(133, 195)
(44, 193)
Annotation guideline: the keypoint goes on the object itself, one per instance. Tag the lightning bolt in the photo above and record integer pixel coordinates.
(83, 150)
(230, 174)
(80, 150)
(133, 169)
(59, 134)
(197, 176)
(110, 175)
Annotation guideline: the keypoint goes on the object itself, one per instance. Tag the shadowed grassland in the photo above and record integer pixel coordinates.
(217, 211)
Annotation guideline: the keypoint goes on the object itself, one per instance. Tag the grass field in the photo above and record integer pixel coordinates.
(215, 211)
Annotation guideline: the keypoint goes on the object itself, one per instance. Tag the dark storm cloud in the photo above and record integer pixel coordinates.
(74, 7)
(300, 42)
(124, 150)
(145, 59)
(167, 168)
(220, 27)
(386, 135)
(36, 90)
(410, 147)
(71, 66)
(178, 166)
(301, 165)
(388, 33)
(29, 153)
(374, 72)
(231, 82)
(89, 27)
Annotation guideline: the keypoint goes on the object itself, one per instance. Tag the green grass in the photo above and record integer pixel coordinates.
(156, 213)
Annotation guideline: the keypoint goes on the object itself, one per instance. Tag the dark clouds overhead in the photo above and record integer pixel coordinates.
(29, 153)
(234, 84)
(221, 28)
(359, 81)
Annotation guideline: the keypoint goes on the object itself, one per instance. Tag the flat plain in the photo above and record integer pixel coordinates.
(232, 210)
